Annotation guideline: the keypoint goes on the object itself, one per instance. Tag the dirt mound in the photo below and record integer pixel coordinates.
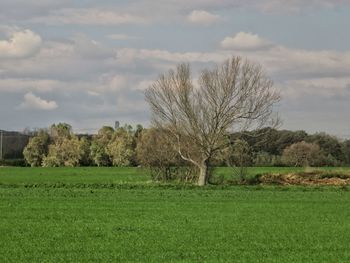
(305, 179)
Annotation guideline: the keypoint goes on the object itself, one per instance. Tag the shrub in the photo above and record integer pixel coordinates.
(303, 154)
(36, 149)
(64, 152)
(120, 149)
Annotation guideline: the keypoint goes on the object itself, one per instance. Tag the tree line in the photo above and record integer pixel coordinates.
(192, 129)
(12, 144)
(272, 147)
(154, 148)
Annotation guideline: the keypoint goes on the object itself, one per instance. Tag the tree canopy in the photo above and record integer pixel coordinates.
(235, 95)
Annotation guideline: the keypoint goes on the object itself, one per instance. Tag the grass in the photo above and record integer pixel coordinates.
(159, 224)
(71, 176)
(109, 176)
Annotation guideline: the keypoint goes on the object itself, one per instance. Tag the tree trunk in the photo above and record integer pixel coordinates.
(203, 173)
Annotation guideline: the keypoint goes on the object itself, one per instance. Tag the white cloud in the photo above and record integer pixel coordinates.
(112, 83)
(202, 17)
(130, 54)
(144, 84)
(245, 41)
(64, 60)
(121, 37)
(21, 44)
(39, 85)
(107, 87)
(93, 93)
(89, 16)
(34, 102)
(88, 48)
(122, 12)
(325, 87)
(295, 6)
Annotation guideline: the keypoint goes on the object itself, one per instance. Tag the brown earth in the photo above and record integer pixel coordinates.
(303, 179)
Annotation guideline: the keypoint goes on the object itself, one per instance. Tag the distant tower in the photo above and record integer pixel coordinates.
(116, 125)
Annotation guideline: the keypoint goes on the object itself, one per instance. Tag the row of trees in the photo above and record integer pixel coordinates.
(271, 147)
(193, 126)
(156, 148)
(58, 146)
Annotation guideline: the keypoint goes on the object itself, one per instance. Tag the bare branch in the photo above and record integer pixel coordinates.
(236, 95)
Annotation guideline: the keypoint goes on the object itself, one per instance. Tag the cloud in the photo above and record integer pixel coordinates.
(245, 41)
(88, 16)
(144, 84)
(93, 93)
(23, 43)
(130, 54)
(38, 85)
(110, 85)
(63, 60)
(201, 17)
(296, 6)
(121, 37)
(34, 102)
(142, 11)
(329, 87)
(90, 49)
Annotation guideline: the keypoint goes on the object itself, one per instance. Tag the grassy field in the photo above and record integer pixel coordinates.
(95, 176)
(84, 219)
(71, 176)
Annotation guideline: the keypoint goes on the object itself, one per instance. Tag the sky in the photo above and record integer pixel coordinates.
(88, 63)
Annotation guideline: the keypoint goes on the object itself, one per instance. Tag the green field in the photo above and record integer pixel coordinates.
(101, 176)
(118, 215)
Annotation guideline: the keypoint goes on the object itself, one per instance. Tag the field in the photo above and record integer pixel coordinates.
(118, 215)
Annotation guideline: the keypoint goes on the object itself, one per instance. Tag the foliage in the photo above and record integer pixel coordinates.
(60, 131)
(238, 156)
(270, 140)
(155, 150)
(99, 146)
(303, 154)
(13, 144)
(64, 152)
(151, 148)
(85, 158)
(329, 144)
(346, 151)
(265, 159)
(37, 149)
(120, 148)
(13, 162)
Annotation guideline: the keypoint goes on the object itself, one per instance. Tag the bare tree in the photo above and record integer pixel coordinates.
(303, 154)
(236, 95)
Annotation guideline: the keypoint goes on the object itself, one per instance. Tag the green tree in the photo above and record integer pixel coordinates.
(60, 131)
(99, 146)
(120, 149)
(85, 145)
(64, 152)
(37, 149)
(346, 151)
(330, 145)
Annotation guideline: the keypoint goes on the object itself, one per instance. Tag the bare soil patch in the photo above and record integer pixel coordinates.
(307, 178)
